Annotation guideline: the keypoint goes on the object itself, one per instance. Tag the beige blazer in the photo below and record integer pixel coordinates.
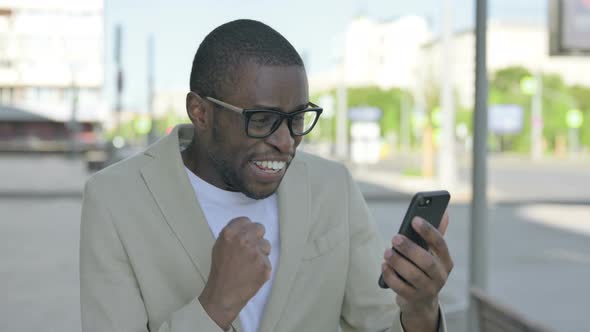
(145, 250)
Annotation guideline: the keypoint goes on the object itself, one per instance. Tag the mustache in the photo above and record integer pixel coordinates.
(286, 157)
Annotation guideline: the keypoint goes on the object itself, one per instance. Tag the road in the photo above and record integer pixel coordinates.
(539, 255)
(516, 178)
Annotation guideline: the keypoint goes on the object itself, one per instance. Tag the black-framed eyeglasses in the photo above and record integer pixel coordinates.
(261, 123)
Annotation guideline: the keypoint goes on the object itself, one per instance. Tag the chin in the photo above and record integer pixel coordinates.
(260, 192)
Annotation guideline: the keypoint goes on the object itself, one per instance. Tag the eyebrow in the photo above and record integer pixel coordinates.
(298, 108)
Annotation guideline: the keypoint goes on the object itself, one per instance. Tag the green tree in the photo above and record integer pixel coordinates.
(505, 89)
(388, 101)
(557, 101)
(581, 95)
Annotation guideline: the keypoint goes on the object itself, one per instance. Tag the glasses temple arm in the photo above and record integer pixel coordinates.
(226, 105)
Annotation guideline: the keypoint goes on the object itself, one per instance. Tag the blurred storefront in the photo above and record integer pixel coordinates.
(23, 131)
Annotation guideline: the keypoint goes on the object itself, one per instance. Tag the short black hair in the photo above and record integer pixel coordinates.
(216, 63)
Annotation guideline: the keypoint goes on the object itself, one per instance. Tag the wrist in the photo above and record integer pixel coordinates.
(424, 317)
(222, 313)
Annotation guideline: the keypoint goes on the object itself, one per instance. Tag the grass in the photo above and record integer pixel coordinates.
(412, 172)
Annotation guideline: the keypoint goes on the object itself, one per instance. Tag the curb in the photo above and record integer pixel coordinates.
(44, 195)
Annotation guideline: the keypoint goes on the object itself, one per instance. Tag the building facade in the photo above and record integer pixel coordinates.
(52, 59)
(509, 44)
(377, 53)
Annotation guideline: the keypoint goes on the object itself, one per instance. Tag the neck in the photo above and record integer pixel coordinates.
(197, 161)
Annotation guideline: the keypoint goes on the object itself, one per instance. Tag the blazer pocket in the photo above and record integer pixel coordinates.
(325, 242)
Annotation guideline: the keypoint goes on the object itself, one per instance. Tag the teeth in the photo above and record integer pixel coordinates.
(274, 165)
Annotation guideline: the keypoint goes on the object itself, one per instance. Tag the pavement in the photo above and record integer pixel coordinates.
(538, 250)
(511, 179)
(41, 176)
(538, 234)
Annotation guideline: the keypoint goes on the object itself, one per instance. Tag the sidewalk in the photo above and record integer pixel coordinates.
(510, 180)
(404, 186)
(43, 176)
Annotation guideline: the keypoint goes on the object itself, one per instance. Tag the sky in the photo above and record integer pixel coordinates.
(312, 26)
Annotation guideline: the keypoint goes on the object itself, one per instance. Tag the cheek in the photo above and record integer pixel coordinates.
(238, 151)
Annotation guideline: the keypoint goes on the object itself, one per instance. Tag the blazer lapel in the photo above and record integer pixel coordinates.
(294, 223)
(170, 186)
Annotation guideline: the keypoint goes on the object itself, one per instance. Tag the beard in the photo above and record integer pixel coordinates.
(223, 165)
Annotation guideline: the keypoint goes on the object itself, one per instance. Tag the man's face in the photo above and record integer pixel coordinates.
(257, 166)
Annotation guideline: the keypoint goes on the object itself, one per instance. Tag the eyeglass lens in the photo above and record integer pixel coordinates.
(263, 122)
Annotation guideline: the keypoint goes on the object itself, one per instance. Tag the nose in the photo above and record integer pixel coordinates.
(281, 139)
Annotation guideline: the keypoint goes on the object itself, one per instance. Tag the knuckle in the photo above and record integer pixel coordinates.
(240, 221)
(263, 265)
(268, 273)
(266, 247)
(254, 227)
(431, 265)
(228, 233)
(443, 279)
(431, 289)
(259, 228)
(393, 261)
(401, 290)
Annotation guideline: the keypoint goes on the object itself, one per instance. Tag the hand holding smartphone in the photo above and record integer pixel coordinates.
(430, 206)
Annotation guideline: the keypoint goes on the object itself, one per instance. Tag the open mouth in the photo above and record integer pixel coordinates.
(270, 166)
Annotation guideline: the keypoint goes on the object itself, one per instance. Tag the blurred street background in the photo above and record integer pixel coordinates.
(84, 84)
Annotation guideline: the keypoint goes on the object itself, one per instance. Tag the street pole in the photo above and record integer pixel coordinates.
(150, 101)
(342, 116)
(574, 141)
(74, 126)
(447, 166)
(478, 236)
(537, 119)
(119, 78)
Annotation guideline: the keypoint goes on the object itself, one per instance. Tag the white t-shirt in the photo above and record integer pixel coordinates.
(219, 207)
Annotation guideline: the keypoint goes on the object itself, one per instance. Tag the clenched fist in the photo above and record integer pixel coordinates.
(239, 267)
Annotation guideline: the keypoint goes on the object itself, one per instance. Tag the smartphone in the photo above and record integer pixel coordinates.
(430, 206)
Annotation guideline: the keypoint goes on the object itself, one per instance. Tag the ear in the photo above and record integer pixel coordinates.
(198, 111)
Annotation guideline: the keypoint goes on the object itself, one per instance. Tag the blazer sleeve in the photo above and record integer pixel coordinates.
(110, 296)
(367, 307)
